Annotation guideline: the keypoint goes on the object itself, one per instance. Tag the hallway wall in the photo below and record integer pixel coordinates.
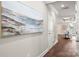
(77, 19)
(0, 23)
(27, 45)
(51, 25)
(61, 26)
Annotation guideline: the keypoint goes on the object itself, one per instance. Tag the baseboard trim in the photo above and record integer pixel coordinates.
(44, 52)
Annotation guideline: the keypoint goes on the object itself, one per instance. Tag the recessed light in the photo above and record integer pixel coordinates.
(62, 6)
(66, 18)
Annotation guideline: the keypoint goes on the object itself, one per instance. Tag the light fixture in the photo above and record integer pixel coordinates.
(64, 6)
(67, 18)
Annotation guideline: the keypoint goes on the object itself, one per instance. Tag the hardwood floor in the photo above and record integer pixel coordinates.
(78, 49)
(64, 48)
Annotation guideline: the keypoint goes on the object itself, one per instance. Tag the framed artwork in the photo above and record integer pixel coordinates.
(16, 23)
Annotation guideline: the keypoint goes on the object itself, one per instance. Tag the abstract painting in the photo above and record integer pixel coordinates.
(15, 23)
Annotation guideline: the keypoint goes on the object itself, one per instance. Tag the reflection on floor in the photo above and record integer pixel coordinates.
(64, 48)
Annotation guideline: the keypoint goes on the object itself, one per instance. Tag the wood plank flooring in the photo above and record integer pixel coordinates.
(64, 48)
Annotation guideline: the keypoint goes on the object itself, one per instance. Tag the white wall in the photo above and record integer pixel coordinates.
(52, 12)
(27, 45)
(77, 18)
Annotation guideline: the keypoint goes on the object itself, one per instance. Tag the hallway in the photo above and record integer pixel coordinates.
(64, 48)
(40, 29)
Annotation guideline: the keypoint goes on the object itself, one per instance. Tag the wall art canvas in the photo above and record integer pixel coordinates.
(16, 23)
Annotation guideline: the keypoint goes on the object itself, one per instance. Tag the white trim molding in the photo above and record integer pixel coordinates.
(44, 52)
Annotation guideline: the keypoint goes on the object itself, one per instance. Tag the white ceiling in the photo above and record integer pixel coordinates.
(70, 12)
(48, 2)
